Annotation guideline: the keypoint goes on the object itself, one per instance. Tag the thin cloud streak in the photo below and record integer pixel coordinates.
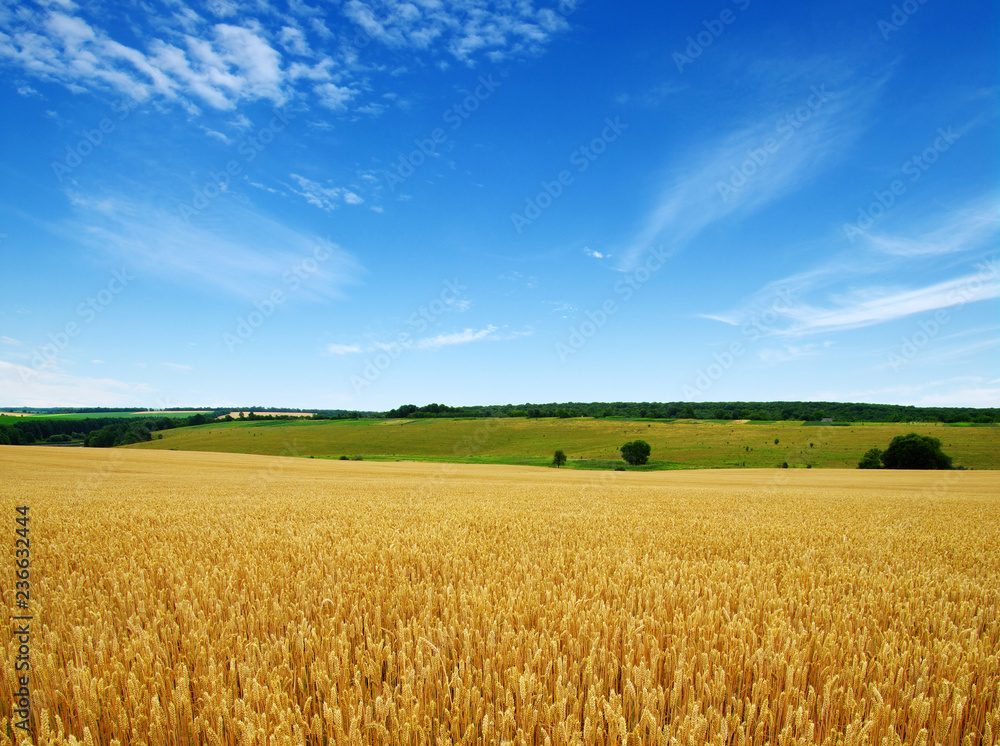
(239, 260)
(789, 150)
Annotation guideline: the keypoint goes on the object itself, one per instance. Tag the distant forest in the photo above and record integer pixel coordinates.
(104, 432)
(758, 411)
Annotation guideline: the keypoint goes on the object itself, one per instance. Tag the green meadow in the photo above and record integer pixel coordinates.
(588, 443)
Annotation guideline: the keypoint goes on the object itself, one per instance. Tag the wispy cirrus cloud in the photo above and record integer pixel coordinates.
(335, 349)
(962, 391)
(820, 114)
(864, 287)
(436, 342)
(458, 338)
(30, 387)
(877, 305)
(233, 253)
(970, 225)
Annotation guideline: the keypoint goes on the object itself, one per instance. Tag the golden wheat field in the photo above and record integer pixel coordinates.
(190, 598)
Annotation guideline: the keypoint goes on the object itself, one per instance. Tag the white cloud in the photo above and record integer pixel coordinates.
(459, 338)
(9, 341)
(832, 297)
(343, 349)
(595, 254)
(325, 198)
(562, 308)
(968, 227)
(333, 96)
(178, 366)
(234, 253)
(373, 109)
(702, 191)
(966, 391)
(231, 55)
(225, 139)
(294, 41)
(27, 387)
(221, 65)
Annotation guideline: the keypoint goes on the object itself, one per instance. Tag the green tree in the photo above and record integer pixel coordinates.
(559, 459)
(636, 452)
(872, 459)
(915, 451)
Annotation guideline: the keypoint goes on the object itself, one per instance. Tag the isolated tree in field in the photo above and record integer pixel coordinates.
(872, 459)
(636, 452)
(559, 459)
(915, 451)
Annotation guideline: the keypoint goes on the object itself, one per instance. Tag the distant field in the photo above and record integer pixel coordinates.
(195, 598)
(15, 416)
(589, 443)
(246, 413)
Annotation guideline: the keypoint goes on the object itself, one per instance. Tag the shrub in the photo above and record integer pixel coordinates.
(636, 452)
(915, 451)
(872, 459)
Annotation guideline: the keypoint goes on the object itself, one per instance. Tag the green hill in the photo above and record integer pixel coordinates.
(589, 443)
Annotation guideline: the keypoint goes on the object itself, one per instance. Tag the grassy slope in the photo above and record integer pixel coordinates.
(532, 442)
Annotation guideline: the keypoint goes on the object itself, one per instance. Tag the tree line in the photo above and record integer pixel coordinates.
(756, 411)
(101, 432)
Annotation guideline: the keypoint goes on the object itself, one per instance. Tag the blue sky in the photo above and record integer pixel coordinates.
(366, 203)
